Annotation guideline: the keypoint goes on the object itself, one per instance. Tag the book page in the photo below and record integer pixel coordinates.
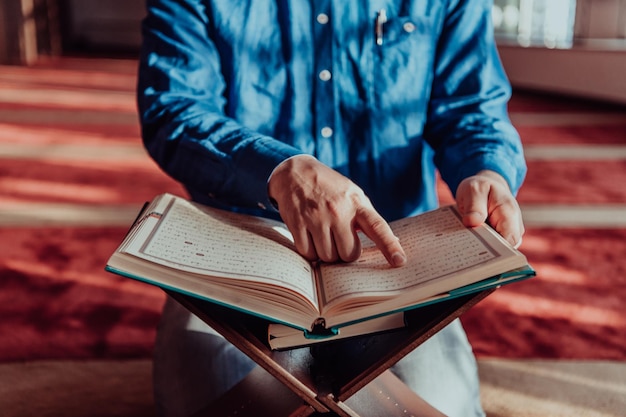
(219, 243)
(437, 245)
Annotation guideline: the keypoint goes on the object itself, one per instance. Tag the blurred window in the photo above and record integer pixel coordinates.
(548, 23)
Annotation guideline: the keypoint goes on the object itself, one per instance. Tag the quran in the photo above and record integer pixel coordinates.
(250, 264)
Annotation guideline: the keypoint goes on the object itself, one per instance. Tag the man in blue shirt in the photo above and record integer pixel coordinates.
(334, 116)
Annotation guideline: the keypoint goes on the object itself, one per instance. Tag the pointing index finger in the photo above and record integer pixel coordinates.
(377, 229)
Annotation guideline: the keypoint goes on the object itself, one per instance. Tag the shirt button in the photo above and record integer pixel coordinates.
(322, 18)
(408, 27)
(327, 132)
(325, 75)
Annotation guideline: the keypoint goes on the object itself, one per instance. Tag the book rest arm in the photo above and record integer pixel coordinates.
(260, 394)
(330, 378)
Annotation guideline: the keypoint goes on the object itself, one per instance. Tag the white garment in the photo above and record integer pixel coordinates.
(194, 365)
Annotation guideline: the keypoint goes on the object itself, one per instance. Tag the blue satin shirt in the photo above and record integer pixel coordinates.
(384, 91)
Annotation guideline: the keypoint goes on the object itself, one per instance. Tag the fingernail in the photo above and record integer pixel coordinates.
(398, 259)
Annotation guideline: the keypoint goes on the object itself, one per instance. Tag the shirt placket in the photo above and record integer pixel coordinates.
(324, 125)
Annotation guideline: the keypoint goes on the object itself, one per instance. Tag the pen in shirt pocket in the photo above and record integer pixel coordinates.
(381, 18)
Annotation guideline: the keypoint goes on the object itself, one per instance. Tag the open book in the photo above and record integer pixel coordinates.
(251, 264)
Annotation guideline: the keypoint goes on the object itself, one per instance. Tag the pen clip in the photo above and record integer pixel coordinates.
(381, 18)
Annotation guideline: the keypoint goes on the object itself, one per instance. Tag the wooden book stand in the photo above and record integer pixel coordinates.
(347, 378)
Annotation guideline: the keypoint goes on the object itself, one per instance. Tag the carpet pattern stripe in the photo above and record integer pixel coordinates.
(73, 167)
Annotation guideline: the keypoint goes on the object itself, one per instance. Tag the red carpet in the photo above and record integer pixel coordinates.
(56, 301)
(573, 135)
(573, 309)
(84, 182)
(575, 182)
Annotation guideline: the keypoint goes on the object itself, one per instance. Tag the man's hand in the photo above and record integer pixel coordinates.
(486, 196)
(324, 210)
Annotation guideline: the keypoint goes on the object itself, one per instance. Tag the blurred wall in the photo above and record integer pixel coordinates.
(600, 19)
(102, 25)
(598, 73)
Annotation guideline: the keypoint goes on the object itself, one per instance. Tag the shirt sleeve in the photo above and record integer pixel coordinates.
(181, 101)
(468, 125)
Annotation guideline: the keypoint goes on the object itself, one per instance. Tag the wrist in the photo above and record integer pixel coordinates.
(276, 182)
(493, 175)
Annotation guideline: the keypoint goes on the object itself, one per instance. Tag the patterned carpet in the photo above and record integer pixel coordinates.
(73, 175)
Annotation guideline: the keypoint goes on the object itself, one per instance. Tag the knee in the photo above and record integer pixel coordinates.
(191, 371)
